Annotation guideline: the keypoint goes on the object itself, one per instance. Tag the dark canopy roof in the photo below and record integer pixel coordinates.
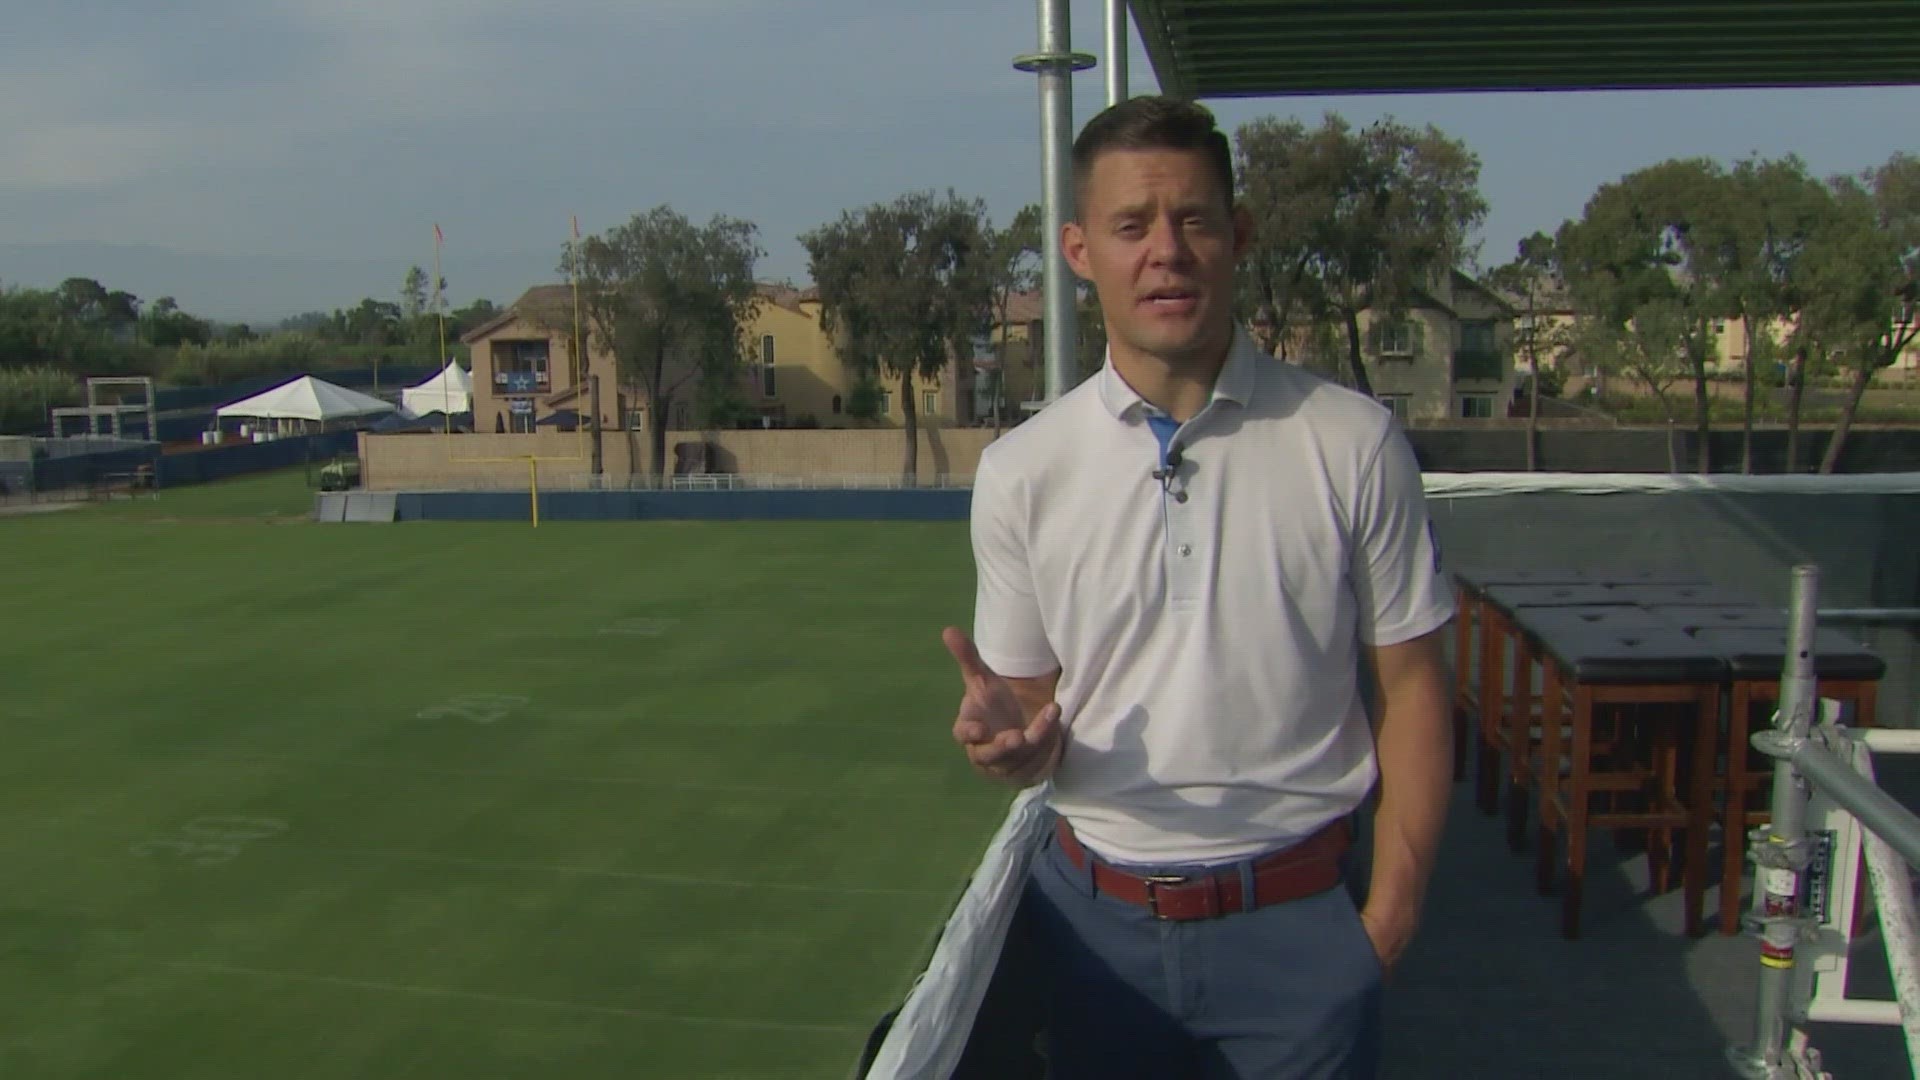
(1269, 48)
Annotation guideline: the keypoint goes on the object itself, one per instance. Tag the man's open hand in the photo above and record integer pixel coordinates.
(992, 724)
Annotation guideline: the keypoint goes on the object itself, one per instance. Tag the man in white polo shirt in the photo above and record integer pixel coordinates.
(1187, 566)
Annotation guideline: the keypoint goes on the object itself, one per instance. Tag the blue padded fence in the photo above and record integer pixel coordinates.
(220, 462)
(81, 470)
(926, 504)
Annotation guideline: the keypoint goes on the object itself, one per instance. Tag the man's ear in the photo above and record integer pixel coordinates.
(1242, 230)
(1073, 245)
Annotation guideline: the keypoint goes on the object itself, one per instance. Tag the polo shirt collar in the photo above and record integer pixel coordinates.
(1235, 382)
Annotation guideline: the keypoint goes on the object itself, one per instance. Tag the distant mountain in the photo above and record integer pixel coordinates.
(263, 289)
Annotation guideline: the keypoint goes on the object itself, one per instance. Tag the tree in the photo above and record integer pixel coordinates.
(1016, 254)
(1276, 189)
(670, 301)
(1863, 294)
(165, 326)
(1648, 285)
(81, 299)
(1346, 221)
(1755, 233)
(413, 294)
(1528, 277)
(904, 288)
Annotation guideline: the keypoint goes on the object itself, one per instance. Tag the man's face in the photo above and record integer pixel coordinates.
(1156, 238)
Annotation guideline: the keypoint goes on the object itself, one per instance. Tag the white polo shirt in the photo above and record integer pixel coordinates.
(1208, 648)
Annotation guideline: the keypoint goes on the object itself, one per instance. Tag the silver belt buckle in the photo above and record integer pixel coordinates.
(1153, 893)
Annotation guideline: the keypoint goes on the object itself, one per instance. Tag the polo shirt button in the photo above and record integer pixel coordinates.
(1186, 550)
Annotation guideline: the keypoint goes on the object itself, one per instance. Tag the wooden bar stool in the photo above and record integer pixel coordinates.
(1482, 633)
(1507, 716)
(1844, 669)
(1466, 603)
(1626, 657)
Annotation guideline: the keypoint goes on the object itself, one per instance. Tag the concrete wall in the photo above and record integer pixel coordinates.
(427, 461)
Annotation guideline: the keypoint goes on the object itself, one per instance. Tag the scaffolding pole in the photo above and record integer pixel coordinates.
(1116, 52)
(1054, 65)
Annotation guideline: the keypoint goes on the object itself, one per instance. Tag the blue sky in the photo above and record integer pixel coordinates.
(334, 133)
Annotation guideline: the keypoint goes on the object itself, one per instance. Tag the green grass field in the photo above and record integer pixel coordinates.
(468, 800)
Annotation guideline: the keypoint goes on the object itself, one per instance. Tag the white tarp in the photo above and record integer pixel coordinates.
(450, 392)
(306, 398)
(1468, 485)
(930, 1033)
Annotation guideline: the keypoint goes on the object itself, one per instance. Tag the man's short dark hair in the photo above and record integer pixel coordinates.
(1152, 123)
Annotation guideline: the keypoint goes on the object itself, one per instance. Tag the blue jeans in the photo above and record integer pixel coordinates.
(1290, 991)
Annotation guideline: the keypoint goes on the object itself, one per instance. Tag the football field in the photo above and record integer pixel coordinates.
(289, 800)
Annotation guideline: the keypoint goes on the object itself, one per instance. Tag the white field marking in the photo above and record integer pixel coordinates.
(209, 968)
(477, 708)
(212, 839)
(686, 880)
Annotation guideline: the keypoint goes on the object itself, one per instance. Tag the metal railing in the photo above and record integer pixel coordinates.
(1803, 894)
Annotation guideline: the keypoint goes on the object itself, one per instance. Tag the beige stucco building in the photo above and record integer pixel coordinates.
(526, 377)
(1445, 354)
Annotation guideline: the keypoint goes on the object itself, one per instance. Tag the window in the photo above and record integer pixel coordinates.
(1399, 404)
(766, 366)
(520, 367)
(1476, 406)
(886, 403)
(836, 404)
(930, 403)
(1476, 337)
(682, 416)
(1396, 338)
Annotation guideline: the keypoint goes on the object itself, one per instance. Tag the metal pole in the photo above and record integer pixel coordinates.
(1871, 615)
(593, 418)
(1116, 52)
(1779, 850)
(1892, 882)
(1055, 65)
(1861, 797)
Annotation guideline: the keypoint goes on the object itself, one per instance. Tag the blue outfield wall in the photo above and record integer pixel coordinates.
(929, 504)
(81, 470)
(221, 462)
(173, 470)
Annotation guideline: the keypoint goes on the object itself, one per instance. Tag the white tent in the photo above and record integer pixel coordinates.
(306, 398)
(450, 392)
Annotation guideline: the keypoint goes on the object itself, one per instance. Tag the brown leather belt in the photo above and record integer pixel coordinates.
(1309, 867)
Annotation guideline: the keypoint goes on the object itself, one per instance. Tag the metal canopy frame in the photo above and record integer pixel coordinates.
(1281, 48)
(1249, 48)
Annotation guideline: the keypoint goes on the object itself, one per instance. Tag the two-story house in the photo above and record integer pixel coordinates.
(1445, 353)
(526, 374)
(796, 374)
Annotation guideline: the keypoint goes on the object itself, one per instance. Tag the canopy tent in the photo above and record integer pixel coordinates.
(450, 391)
(306, 398)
